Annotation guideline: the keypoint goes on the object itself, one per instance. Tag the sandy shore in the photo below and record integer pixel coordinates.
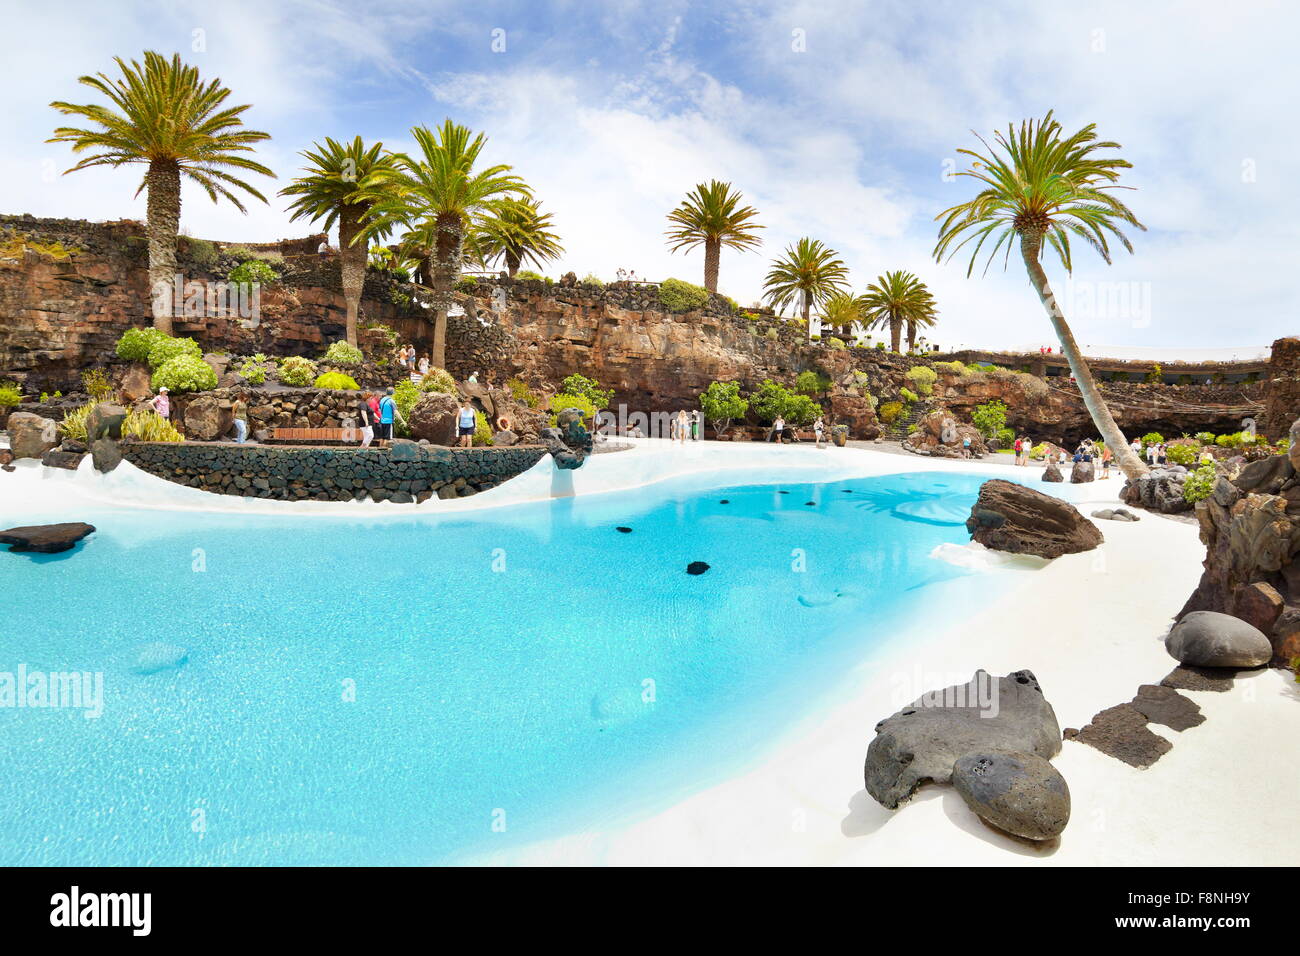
(1090, 626)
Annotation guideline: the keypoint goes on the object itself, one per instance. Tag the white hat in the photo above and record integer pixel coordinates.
(163, 389)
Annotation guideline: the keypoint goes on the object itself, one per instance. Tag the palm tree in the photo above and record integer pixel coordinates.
(169, 120)
(1039, 187)
(841, 309)
(441, 193)
(517, 231)
(897, 300)
(343, 184)
(807, 274)
(712, 216)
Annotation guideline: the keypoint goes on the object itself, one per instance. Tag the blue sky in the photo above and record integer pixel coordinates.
(837, 121)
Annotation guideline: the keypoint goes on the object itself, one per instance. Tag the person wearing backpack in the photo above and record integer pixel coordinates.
(1019, 447)
(387, 413)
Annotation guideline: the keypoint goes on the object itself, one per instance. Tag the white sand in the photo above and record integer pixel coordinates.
(1090, 626)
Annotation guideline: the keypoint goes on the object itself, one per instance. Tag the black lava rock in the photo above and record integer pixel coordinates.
(696, 567)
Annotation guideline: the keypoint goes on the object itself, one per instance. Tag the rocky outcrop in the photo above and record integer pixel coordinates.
(920, 743)
(1052, 473)
(1250, 525)
(568, 442)
(46, 538)
(1212, 639)
(434, 418)
(1010, 517)
(1082, 472)
(940, 435)
(1019, 793)
(1159, 490)
(31, 436)
(106, 454)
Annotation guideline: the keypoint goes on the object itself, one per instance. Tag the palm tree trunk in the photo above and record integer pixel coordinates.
(353, 265)
(895, 334)
(1131, 464)
(446, 266)
(163, 182)
(712, 257)
(512, 264)
(911, 336)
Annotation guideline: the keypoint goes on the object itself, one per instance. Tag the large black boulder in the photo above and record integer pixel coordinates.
(1011, 517)
(46, 538)
(1019, 793)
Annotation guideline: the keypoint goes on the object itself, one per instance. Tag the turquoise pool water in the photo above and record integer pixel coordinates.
(404, 691)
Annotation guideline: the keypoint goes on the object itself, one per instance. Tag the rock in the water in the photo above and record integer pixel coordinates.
(1161, 704)
(1211, 639)
(31, 436)
(696, 567)
(434, 418)
(623, 529)
(1082, 472)
(1011, 517)
(46, 538)
(1052, 473)
(921, 742)
(1019, 793)
(568, 442)
(105, 454)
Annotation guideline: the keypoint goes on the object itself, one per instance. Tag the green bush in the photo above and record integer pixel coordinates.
(337, 380)
(530, 274)
(1006, 437)
(184, 373)
(482, 430)
(769, 400)
(1205, 438)
(252, 271)
(438, 380)
(812, 383)
(1183, 451)
(405, 396)
(802, 410)
(134, 345)
(340, 353)
(908, 395)
(1152, 438)
(589, 388)
(1038, 451)
(890, 412)
(74, 422)
(923, 378)
(522, 393)
(952, 368)
(721, 403)
(592, 281)
(1197, 485)
(836, 343)
(880, 346)
(252, 372)
(466, 284)
(562, 401)
(297, 371)
(989, 417)
(679, 296)
(10, 396)
(147, 425)
(201, 252)
(167, 348)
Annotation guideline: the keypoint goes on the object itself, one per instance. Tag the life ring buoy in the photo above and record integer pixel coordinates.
(503, 423)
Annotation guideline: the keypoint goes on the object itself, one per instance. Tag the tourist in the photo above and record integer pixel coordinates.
(424, 365)
(465, 424)
(387, 412)
(1106, 456)
(683, 427)
(161, 403)
(366, 418)
(1019, 448)
(819, 428)
(1162, 457)
(1151, 454)
(323, 250)
(473, 378)
(697, 425)
(1135, 446)
(240, 412)
(778, 427)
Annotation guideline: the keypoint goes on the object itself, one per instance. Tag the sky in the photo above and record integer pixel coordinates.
(839, 121)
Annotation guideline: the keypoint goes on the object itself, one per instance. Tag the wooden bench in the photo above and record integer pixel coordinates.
(316, 436)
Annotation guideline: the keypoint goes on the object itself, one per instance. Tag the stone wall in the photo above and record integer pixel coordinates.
(1282, 405)
(405, 473)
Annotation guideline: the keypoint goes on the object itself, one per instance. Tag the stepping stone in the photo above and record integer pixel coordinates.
(46, 538)
(623, 530)
(809, 503)
(1121, 732)
(1186, 677)
(724, 501)
(1164, 705)
(696, 567)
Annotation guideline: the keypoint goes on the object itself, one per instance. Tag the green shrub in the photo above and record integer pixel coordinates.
(10, 396)
(95, 382)
(466, 284)
(252, 372)
(1205, 438)
(1038, 451)
(951, 368)
(184, 373)
(340, 353)
(147, 425)
(562, 401)
(482, 430)
(297, 371)
(989, 417)
(890, 412)
(1183, 451)
(772, 334)
(522, 393)
(1156, 375)
(438, 380)
(908, 395)
(337, 380)
(880, 346)
(769, 400)
(679, 296)
(814, 338)
(721, 403)
(201, 252)
(812, 383)
(836, 343)
(252, 271)
(74, 422)
(134, 345)
(167, 348)
(530, 274)
(1197, 485)
(592, 281)
(802, 410)
(405, 396)
(1006, 437)
(1152, 438)
(923, 378)
(589, 388)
